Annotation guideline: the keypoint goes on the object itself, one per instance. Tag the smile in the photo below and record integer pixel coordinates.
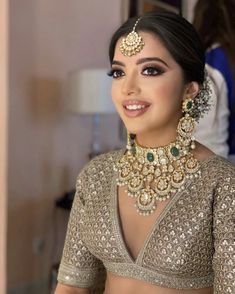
(135, 108)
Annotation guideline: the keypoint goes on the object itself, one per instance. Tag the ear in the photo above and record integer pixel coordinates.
(192, 90)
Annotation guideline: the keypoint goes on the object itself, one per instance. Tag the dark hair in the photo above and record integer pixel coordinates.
(215, 23)
(178, 36)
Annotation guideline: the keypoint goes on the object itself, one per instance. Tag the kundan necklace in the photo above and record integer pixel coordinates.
(155, 173)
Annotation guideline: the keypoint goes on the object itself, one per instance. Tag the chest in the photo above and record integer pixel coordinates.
(177, 233)
(135, 227)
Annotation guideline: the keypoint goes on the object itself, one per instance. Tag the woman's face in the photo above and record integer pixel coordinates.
(148, 89)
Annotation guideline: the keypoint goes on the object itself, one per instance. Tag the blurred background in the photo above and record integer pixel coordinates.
(45, 46)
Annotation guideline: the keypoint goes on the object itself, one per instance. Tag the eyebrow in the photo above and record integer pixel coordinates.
(141, 61)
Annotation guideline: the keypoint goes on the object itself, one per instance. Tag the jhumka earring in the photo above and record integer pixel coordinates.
(133, 43)
(186, 124)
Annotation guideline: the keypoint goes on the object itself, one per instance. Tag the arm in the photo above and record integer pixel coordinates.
(224, 234)
(79, 268)
(64, 289)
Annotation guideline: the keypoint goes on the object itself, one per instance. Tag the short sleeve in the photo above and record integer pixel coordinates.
(78, 267)
(224, 235)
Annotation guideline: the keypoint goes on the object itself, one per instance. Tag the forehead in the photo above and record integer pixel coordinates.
(153, 47)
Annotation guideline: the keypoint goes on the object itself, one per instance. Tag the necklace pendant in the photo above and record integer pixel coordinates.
(178, 178)
(145, 203)
(135, 183)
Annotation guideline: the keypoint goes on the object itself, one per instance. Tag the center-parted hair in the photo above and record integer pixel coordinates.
(177, 35)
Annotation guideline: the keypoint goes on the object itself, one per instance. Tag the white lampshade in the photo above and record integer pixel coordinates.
(89, 91)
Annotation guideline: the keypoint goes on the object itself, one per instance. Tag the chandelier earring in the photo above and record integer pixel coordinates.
(186, 126)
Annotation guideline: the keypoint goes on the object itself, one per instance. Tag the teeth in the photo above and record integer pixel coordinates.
(134, 107)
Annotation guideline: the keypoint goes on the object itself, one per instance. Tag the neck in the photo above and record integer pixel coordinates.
(156, 138)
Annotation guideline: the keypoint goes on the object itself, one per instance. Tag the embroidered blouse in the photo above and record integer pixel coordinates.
(191, 246)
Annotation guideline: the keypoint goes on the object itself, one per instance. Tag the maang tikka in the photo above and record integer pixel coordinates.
(132, 43)
(156, 174)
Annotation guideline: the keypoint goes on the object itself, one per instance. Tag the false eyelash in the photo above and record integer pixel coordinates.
(154, 67)
(112, 73)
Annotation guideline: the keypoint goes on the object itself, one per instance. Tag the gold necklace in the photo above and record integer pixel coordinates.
(156, 174)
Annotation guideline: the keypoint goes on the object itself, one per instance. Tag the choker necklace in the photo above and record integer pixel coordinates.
(156, 174)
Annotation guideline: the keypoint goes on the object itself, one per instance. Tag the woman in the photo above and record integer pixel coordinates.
(175, 233)
(215, 24)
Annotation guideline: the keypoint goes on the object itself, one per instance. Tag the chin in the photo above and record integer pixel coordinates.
(136, 126)
(136, 131)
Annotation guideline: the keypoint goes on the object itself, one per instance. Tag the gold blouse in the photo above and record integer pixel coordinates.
(191, 246)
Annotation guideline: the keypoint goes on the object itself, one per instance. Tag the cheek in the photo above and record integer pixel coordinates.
(169, 92)
(167, 101)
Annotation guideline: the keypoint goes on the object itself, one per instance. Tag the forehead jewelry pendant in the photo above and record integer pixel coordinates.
(133, 43)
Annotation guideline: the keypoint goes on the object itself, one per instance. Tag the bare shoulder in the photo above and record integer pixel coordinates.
(201, 152)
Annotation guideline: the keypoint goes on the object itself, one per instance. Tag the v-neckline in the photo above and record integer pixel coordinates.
(117, 220)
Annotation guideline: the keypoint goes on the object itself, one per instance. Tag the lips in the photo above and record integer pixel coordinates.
(134, 108)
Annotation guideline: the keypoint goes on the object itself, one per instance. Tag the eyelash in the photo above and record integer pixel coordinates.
(113, 72)
(154, 71)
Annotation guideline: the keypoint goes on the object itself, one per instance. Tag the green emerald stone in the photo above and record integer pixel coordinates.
(189, 105)
(175, 151)
(150, 157)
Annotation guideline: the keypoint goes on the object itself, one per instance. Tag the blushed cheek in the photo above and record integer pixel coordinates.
(167, 101)
(172, 92)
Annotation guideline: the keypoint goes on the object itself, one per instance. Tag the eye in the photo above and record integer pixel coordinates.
(152, 71)
(116, 73)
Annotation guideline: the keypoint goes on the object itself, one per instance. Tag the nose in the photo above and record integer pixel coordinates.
(130, 85)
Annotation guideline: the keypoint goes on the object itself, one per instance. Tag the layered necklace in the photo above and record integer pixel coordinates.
(156, 174)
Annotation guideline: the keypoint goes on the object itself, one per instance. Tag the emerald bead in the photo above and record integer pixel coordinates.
(150, 157)
(175, 151)
(189, 105)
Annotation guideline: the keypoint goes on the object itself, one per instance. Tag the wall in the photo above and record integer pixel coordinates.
(187, 7)
(3, 138)
(48, 146)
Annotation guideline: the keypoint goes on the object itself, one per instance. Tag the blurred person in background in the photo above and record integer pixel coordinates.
(215, 24)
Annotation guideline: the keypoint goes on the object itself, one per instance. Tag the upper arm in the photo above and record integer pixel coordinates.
(65, 289)
(79, 267)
